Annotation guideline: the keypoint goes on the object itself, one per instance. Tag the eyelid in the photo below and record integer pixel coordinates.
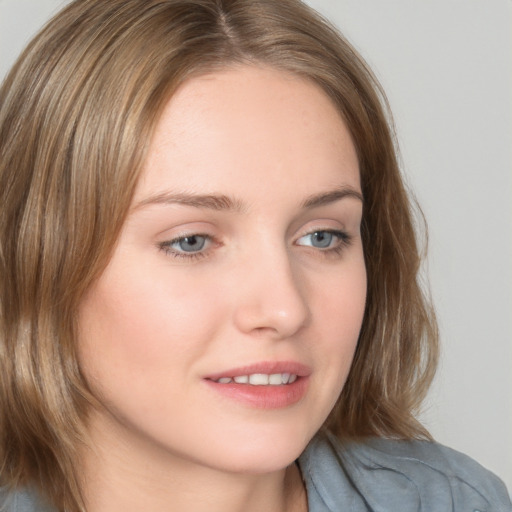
(339, 233)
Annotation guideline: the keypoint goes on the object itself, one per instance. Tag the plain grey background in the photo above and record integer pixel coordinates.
(447, 68)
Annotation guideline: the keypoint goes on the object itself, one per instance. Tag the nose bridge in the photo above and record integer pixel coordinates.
(271, 295)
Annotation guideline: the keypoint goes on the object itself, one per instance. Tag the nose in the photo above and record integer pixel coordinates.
(271, 298)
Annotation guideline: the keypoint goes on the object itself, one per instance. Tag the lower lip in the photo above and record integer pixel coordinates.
(263, 397)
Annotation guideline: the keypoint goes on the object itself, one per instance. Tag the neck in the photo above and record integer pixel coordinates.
(128, 475)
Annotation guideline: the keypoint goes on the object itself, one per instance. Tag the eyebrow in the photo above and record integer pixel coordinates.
(325, 198)
(221, 202)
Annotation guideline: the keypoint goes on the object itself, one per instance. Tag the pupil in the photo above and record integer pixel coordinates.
(322, 239)
(192, 243)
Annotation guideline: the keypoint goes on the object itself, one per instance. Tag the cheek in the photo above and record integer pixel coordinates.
(128, 326)
(340, 314)
(343, 302)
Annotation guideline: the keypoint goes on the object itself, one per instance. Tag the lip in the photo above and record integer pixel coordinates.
(263, 397)
(269, 367)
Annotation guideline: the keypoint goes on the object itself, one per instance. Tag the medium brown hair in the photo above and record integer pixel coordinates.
(77, 113)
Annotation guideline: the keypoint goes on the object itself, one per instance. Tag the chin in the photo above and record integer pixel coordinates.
(257, 462)
(261, 451)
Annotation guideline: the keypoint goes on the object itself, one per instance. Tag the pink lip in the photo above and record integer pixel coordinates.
(268, 367)
(263, 397)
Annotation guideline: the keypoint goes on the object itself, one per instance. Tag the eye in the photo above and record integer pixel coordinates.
(192, 243)
(324, 239)
(189, 246)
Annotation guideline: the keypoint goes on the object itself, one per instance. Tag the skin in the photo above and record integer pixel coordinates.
(157, 322)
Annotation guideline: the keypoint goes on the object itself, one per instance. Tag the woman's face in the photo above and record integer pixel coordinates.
(223, 329)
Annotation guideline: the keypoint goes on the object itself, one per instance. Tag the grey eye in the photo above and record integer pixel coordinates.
(192, 243)
(321, 239)
(318, 239)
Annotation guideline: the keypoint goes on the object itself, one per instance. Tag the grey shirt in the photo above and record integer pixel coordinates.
(375, 476)
(381, 475)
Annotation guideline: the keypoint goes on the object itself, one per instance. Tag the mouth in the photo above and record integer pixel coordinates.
(260, 379)
(269, 385)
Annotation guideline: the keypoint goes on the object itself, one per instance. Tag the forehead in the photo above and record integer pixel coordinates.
(248, 127)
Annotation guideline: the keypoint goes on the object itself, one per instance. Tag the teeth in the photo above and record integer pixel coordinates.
(275, 379)
(258, 379)
(261, 379)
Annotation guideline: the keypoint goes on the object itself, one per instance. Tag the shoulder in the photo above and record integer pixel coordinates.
(388, 475)
(24, 500)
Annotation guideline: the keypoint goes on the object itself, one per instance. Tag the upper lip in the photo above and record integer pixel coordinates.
(266, 367)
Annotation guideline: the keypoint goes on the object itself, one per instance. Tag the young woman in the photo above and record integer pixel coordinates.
(209, 295)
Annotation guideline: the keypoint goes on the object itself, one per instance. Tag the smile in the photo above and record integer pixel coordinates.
(264, 385)
(260, 379)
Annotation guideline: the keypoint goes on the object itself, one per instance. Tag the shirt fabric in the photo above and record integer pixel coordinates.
(377, 475)
(382, 475)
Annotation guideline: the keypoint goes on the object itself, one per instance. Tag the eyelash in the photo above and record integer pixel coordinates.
(344, 240)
